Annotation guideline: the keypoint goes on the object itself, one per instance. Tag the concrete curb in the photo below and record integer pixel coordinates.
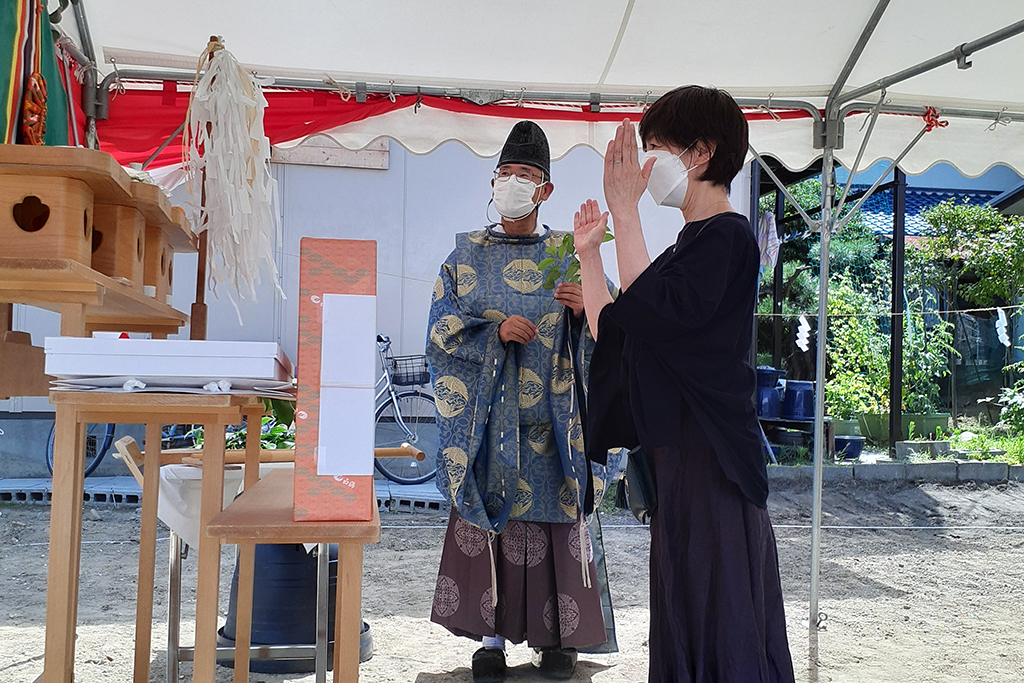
(937, 472)
(987, 472)
(882, 471)
(941, 472)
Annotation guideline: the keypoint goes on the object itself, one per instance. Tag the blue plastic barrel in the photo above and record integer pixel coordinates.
(284, 606)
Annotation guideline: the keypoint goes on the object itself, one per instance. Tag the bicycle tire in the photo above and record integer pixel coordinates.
(102, 434)
(419, 417)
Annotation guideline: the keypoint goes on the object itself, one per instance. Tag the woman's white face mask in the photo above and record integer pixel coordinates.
(669, 178)
(513, 197)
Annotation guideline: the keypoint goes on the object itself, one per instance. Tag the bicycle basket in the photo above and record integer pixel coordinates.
(409, 370)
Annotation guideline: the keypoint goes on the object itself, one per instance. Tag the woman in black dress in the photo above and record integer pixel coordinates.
(671, 372)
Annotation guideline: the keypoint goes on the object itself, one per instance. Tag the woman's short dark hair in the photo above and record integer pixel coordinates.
(691, 113)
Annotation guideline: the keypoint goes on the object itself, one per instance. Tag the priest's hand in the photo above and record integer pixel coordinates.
(570, 294)
(624, 179)
(518, 329)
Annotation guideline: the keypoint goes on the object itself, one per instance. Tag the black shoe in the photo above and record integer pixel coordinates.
(556, 662)
(489, 665)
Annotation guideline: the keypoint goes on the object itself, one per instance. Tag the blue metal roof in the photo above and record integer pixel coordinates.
(877, 210)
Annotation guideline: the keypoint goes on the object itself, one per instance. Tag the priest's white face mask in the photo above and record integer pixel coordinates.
(669, 178)
(513, 196)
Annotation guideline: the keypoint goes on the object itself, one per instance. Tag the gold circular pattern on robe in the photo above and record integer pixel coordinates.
(451, 396)
(539, 438)
(523, 276)
(478, 236)
(465, 279)
(561, 374)
(567, 498)
(598, 490)
(576, 433)
(547, 328)
(455, 467)
(438, 289)
(447, 333)
(531, 389)
(494, 316)
(524, 499)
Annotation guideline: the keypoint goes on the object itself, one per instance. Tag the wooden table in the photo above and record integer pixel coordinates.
(263, 514)
(74, 411)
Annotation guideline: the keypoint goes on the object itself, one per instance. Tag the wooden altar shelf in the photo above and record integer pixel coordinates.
(109, 182)
(109, 305)
(100, 171)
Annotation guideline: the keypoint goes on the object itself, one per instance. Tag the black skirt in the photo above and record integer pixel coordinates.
(716, 598)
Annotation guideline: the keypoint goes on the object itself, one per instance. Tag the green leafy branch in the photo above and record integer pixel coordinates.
(552, 265)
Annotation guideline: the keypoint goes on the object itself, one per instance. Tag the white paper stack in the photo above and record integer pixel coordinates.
(186, 366)
(347, 382)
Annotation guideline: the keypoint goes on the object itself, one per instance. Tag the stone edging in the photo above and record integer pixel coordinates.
(939, 472)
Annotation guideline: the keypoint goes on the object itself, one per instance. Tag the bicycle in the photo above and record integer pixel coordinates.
(407, 416)
(98, 440)
(100, 437)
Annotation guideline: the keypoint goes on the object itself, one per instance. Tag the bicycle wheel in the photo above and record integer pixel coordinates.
(420, 419)
(97, 442)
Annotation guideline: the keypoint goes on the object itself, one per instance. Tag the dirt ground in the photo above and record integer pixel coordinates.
(901, 605)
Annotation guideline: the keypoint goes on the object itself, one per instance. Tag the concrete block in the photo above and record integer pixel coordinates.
(988, 472)
(1016, 473)
(790, 472)
(880, 472)
(836, 473)
(941, 472)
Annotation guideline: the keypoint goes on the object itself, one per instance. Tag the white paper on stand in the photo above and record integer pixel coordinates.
(346, 432)
(347, 385)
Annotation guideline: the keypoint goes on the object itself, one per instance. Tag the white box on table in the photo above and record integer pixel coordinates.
(70, 357)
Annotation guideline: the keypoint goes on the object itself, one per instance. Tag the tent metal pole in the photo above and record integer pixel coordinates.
(780, 213)
(811, 224)
(858, 49)
(755, 224)
(871, 190)
(899, 206)
(827, 192)
(958, 54)
(860, 155)
(920, 110)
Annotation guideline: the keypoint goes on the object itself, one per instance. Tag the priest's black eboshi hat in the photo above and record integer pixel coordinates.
(527, 145)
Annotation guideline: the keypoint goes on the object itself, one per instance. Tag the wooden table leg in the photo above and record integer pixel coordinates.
(72, 320)
(247, 556)
(147, 553)
(208, 580)
(65, 547)
(348, 612)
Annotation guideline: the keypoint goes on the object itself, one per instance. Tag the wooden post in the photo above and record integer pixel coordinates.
(247, 551)
(197, 329)
(147, 552)
(65, 547)
(208, 579)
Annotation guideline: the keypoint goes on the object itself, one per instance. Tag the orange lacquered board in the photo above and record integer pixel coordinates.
(327, 266)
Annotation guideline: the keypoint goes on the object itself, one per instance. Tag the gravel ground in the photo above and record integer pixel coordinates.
(935, 604)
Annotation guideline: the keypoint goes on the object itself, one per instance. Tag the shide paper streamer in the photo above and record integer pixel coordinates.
(227, 157)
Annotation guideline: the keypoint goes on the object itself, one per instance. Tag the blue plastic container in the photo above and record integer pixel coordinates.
(849, 447)
(284, 606)
(768, 402)
(799, 401)
(768, 376)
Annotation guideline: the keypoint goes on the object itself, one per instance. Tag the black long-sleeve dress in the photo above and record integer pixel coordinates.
(671, 372)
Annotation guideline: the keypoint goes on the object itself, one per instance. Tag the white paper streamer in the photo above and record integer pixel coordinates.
(1002, 328)
(803, 334)
(225, 139)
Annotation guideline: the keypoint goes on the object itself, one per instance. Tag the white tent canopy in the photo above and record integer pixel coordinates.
(619, 49)
(829, 59)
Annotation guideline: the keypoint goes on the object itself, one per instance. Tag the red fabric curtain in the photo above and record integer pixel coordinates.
(141, 120)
